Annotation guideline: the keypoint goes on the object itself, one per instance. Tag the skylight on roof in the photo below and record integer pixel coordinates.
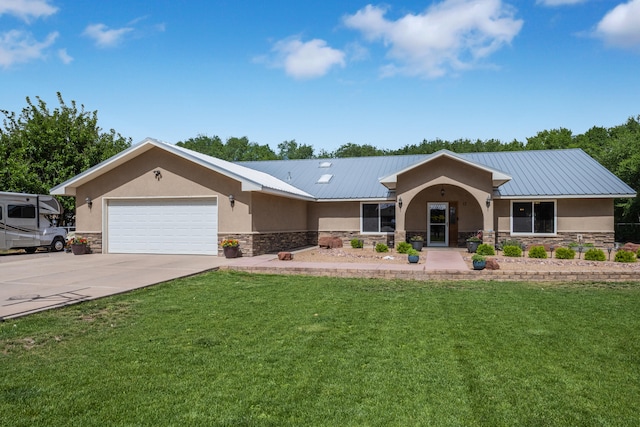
(324, 179)
(325, 164)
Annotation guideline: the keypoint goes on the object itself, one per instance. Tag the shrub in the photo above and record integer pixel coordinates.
(625, 256)
(485, 249)
(381, 247)
(511, 242)
(514, 251)
(565, 253)
(412, 252)
(403, 248)
(478, 258)
(594, 254)
(357, 243)
(537, 252)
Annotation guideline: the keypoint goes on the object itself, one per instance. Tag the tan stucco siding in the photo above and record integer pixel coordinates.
(180, 178)
(594, 215)
(334, 216)
(468, 185)
(573, 215)
(277, 214)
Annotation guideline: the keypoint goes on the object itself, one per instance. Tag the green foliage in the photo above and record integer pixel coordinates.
(485, 249)
(355, 150)
(625, 256)
(233, 150)
(357, 243)
(565, 253)
(512, 251)
(40, 148)
(478, 257)
(290, 150)
(381, 247)
(594, 254)
(412, 252)
(511, 242)
(403, 247)
(537, 252)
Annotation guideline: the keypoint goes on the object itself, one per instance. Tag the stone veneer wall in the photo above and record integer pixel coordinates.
(263, 243)
(599, 240)
(368, 239)
(94, 239)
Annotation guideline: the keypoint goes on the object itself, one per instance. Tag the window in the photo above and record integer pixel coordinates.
(533, 217)
(378, 217)
(21, 211)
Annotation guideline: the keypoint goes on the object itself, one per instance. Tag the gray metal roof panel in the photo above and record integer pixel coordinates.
(542, 173)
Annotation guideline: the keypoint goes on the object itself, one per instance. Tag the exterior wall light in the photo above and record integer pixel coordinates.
(489, 200)
(442, 191)
(89, 202)
(232, 200)
(157, 174)
(400, 202)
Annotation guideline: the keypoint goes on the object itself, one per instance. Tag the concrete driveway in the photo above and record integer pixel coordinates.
(30, 283)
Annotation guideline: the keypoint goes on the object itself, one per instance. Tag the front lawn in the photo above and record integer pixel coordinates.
(240, 349)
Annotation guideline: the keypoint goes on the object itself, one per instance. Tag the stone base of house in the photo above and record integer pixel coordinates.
(370, 240)
(263, 243)
(599, 240)
(94, 241)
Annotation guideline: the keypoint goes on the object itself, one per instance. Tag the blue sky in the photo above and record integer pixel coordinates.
(327, 73)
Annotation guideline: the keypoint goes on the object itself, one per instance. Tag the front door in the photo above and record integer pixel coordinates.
(438, 224)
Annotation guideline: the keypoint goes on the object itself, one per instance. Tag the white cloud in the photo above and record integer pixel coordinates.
(64, 56)
(19, 47)
(104, 36)
(26, 9)
(621, 26)
(451, 35)
(307, 60)
(559, 2)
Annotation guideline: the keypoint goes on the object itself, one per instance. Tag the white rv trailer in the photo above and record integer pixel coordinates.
(29, 222)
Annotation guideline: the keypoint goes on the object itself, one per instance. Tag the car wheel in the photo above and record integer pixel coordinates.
(57, 245)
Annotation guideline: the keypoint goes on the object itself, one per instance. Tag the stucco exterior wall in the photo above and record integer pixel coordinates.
(180, 178)
(573, 215)
(276, 214)
(334, 216)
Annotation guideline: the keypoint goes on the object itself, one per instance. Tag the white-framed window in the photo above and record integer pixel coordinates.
(534, 217)
(377, 217)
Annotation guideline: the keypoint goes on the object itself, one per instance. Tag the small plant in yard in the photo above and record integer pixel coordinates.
(485, 249)
(512, 251)
(413, 252)
(381, 247)
(625, 256)
(478, 258)
(594, 254)
(403, 247)
(565, 253)
(537, 252)
(357, 243)
(474, 238)
(417, 238)
(230, 243)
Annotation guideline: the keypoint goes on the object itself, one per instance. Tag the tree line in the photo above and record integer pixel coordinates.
(40, 148)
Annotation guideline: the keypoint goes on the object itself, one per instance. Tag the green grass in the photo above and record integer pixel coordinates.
(237, 349)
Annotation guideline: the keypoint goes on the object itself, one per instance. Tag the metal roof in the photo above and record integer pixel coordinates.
(540, 173)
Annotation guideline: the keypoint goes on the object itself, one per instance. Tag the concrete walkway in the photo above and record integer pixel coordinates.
(41, 281)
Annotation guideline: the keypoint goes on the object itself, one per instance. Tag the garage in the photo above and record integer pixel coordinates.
(162, 226)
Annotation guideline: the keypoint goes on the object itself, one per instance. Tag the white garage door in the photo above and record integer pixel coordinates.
(163, 226)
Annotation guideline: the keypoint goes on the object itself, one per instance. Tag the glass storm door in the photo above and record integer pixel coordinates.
(438, 224)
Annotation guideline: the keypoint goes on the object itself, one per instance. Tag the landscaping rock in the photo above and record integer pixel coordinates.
(285, 256)
(492, 264)
(632, 247)
(330, 242)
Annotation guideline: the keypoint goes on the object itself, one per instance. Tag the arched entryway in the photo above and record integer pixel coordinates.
(444, 215)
